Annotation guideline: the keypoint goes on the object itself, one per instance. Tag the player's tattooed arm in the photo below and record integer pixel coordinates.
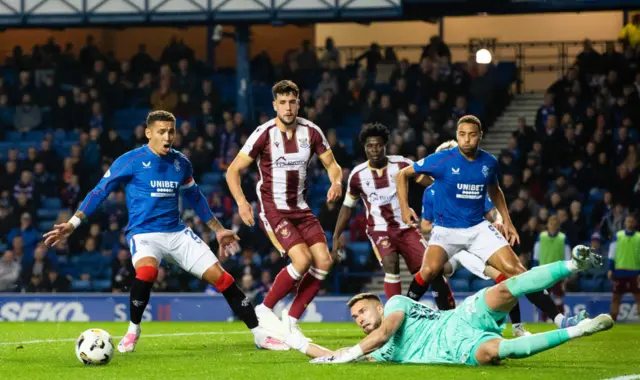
(424, 180)
(215, 225)
(493, 216)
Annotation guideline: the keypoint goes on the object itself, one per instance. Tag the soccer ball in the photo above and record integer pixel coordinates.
(94, 347)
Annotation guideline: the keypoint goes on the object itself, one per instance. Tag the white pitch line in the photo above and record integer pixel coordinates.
(161, 336)
(626, 377)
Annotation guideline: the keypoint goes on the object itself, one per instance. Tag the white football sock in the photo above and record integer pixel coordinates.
(133, 328)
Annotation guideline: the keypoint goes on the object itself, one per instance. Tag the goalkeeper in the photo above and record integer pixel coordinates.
(405, 331)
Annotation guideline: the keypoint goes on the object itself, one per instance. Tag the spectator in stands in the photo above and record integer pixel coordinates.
(436, 49)
(306, 58)
(122, 272)
(546, 110)
(528, 236)
(27, 232)
(373, 56)
(588, 60)
(578, 220)
(614, 221)
(57, 283)
(40, 266)
(163, 98)
(328, 82)
(185, 79)
(25, 186)
(274, 262)
(9, 271)
(28, 115)
(161, 284)
(35, 284)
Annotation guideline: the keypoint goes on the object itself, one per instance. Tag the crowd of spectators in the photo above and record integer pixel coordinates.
(70, 103)
(579, 158)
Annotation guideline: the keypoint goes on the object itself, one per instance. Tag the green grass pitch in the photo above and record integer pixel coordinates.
(180, 350)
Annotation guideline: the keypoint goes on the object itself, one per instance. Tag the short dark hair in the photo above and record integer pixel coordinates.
(285, 87)
(470, 119)
(363, 296)
(373, 130)
(159, 115)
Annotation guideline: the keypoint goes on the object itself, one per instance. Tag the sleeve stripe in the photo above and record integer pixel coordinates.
(189, 182)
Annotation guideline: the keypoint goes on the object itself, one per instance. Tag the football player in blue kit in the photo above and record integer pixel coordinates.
(154, 175)
(464, 175)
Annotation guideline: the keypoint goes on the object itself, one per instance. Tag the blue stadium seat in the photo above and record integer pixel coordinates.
(101, 285)
(53, 203)
(463, 274)
(459, 285)
(353, 121)
(80, 285)
(13, 136)
(478, 284)
(206, 188)
(606, 286)
(46, 225)
(73, 136)
(48, 213)
(329, 236)
(36, 136)
(361, 251)
(211, 178)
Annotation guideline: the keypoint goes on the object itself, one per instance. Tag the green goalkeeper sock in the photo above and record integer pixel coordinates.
(539, 278)
(526, 346)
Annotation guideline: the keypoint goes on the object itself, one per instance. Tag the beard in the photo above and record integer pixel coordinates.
(288, 124)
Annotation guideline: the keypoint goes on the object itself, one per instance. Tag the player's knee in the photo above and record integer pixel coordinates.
(428, 273)
(324, 263)
(513, 269)
(390, 264)
(147, 273)
(301, 260)
(488, 353)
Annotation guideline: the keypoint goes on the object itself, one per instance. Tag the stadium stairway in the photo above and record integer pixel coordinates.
(522, 105)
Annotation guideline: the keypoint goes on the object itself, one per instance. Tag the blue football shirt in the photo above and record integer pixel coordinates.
(152, 187)
(460, 186)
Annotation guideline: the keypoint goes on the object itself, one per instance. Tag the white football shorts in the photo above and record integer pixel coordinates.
(184, 248)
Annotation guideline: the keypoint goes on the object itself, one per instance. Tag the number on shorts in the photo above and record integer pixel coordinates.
(195, 237)
(493, 229)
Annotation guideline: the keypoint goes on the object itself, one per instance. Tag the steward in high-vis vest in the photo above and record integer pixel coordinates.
(551, 246)
(624, 264)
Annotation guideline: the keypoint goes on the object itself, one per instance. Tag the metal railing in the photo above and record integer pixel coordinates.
(539, 63)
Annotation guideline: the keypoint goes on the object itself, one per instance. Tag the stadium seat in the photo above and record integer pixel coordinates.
(52, 203)
(101, 285)
(361, 251)
(211, 178)
(13, 136)
(463, 274)
(478, 284)
(34, 136)
(48, 213)
(46, 225)
(80, 285)
(459, 285)
(206, 189)
(606, 286)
